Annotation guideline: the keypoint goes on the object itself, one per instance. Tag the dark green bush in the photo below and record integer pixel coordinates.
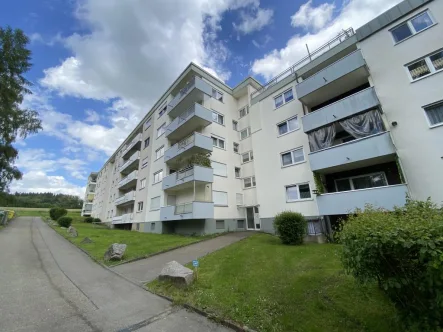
(97, 220)
(56, 213)
(291, 227)
(64, 221)
(403, 252)
(88, 220)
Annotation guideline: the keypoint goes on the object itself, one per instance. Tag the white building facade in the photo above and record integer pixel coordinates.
(358, 121)
(88, 200)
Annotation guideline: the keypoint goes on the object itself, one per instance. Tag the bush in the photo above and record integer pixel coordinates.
(97, 220)
(403, 252)
(291, 227)
(64, 221)
(88, 220)
(56, 213)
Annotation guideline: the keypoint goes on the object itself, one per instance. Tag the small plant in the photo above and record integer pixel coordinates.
(319, 183)
(64, 221)
(56, 213)
(97, 220)
(88, 220)
(291, 227)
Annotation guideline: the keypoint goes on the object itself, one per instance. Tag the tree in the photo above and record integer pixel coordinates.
(14, 121)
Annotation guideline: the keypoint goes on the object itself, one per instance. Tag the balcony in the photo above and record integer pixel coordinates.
(187, 211)
(371, 150)
(194, 92)
(123, 219)
(129, 181)
(341, 76)
(196, 143)
(90, 197)
(135, 144)
(130, 164)
(184, 179)
(346, 202)
(186, 123)
(346, 107)
(126, 198)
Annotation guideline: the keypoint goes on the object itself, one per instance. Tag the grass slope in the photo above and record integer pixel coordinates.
(266, 286)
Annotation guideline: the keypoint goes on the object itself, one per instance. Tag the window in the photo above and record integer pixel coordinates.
(241, 224)
(218, 142)
(219, 168)
(148, 123)
(298, 192)
(161, 130)
(220, 198)
(434, 113)
(147, 142)
(247, 156)
(239, 199)
(217, 117)
(244, 111)
(412, 26)
(158, 176)
(249, 182)
(283, 98)
(245, 133)
(235, 147)
(237, 172)
(234, 125)
(217, 95)
(162, 111)
(288, 126)
(361, 182)
(160, 152)
(152, 226)
(219, 224)
(139, 206)
(155, 203)
(145, 162)
(143, 183)
(426, 66)
(314, 227)
(292, 157)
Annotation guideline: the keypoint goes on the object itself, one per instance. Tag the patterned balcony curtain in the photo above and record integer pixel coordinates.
(321, 138)
(363, 125)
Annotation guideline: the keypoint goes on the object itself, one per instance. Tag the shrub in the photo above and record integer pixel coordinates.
(64, 221)
(97, 220)
(403, 252)
(291, 227)
(88, 220)
(56, 213)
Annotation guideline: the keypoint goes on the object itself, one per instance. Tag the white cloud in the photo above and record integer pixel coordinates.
(92, 116)
(353, 13)
(315, 18)
(263, 42)
(254, 21)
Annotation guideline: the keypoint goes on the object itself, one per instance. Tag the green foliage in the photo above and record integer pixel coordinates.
(88, 220)
(403, 252)
(56, 213)
(319, 183)
(14, 121)
(97, 220)
(201, 159)
(64, 221)
(291, 227)
(40, 200)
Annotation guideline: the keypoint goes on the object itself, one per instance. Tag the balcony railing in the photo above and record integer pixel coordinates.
(188, 140)
(181, 178)
(183, 92)
(130, 196)
(132, 143)
(132, 176)
(183, 208)
(123, 219)
(131, 159)
(187, 211)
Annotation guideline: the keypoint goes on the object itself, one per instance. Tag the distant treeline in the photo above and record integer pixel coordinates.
(40, 200)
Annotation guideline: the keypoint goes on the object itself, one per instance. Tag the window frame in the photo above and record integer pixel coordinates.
(145, 162)
(350, 178)
(287, 123)
(292, 157)
(411, 26)
(246, 109)
(162, 150)
(162, 110)
(156, 173)
(159, 204)
(239, 172)
(437, 103)
(284, 101)
(219, 221)
(248, 133)
(250, 156)
(218, 138)
(140, 204)
(430, 65)
(142, 183)
(236, 145)
(219, 115)
(253, 182)
(298, 191)
(148, 123)
(144, 142)
(234, 125)
(227, 199)
(215, 96)
(163, 127)
(226, 169)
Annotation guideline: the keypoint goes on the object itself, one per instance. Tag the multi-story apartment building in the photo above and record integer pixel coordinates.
(88, 201)
(358, 121)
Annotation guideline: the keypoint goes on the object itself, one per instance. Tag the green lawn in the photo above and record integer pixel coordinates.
(266, 286)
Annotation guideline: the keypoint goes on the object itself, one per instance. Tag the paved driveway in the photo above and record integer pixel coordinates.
(47, 284)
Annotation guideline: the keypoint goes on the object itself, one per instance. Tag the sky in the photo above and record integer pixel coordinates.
(99, 65)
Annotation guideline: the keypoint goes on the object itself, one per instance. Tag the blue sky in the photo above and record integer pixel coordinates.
(99, 65)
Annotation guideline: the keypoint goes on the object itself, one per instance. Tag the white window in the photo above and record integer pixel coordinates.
(148, 123)
(234, 125)
(298, 192)
(162, 111)
(288, 126)
(426, 66)
(239, 199)
(235, 147)
(412, 26)
(142, 183)
(218, 142)
(139, 206)
(361, 182)
(220, 198)
(245, 133)
(247, 156)
(237, 172)
(158, 176)
(217, 95)
(217, 117)
(292, 157)
(219, 168)
(249, 182)
(155, 203)
(161, 130)
(160, 152)
(283, 98)
(145, 162)
(434, 113)
(244, 111)
(147, 142)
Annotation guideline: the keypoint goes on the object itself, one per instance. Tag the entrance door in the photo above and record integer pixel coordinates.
(253, 218)
(257, 218)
